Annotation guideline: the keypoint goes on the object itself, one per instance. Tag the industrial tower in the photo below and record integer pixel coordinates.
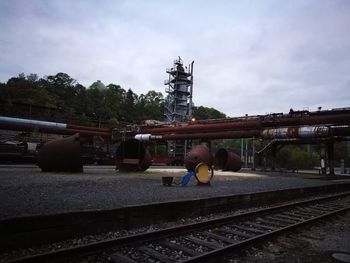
(178, 103)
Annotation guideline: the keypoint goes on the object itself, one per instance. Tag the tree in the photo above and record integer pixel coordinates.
(296, 156)
(150, 106)
(96, 106)
(203, 113)
(98, 85)
(32, 77)
(128, 106)
(114, 100)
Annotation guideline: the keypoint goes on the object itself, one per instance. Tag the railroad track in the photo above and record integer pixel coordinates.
(205, 241)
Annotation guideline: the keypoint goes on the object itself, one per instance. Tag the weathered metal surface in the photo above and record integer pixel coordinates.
(296, 132)
(227, 161)
(147, 137)
(212, 135)
(257, 123)
(61, 155)
(132, 156)
(11, 120)
(198, 154)
(278, 133)
(31, 128)
(18, 124)
(87, 128)
(313, 131)
(236, 125)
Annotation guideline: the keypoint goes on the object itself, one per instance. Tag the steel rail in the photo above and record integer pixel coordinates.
(137, 239)
(230, 248)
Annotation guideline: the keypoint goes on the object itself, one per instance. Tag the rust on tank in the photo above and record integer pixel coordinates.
(62, 155)
(132, 156)
(227, 161)
(198, 154)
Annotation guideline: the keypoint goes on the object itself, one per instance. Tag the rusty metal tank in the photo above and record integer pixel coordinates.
(198, 154)
(227, 161)
(132, 156)
(62, 155)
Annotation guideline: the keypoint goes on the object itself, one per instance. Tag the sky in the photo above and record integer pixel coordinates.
(250, 57)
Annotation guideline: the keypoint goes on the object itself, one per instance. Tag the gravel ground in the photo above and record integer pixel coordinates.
(25, 190)
(318, 243)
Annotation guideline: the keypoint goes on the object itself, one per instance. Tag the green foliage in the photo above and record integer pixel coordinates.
(204, 113)
(232, 144)
(61, 98)
(295, 156)
(150, 106)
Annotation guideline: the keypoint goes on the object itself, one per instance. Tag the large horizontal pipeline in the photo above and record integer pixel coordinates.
(212, 135)
(338, 119)
(79, 127)
(269, 133)
(31, 128)
(48, 124)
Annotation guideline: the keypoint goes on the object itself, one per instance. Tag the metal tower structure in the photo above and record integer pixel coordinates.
(178, 103)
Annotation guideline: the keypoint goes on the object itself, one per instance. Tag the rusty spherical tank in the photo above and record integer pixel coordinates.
(62, 155)
(227, 161)
(198, 154)
(132, 156)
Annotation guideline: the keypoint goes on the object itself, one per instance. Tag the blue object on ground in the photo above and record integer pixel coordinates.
(187, 178)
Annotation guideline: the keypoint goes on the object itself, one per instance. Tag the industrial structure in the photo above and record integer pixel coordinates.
(323, 128)
(297, 127)
(178, 103)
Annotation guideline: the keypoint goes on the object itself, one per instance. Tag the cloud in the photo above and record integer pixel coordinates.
(250, 57)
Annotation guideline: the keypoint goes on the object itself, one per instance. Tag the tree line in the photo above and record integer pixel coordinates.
(61, 98)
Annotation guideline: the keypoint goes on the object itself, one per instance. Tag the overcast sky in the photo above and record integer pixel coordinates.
(252, 57)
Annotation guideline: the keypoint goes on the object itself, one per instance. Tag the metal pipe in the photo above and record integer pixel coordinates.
(227, 161)
(296, 132)
(43, 129)
(79, 127)
(269, 133)
(47, 124)
(212, 135)
(19, 121)
(246, 153)
(253, 160)
(191, 92)
(206, 127)
(335, 119)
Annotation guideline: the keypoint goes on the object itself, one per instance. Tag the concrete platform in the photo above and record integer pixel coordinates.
(26, 191)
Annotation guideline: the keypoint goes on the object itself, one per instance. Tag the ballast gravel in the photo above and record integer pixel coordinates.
(26, 191)
(123, 232)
